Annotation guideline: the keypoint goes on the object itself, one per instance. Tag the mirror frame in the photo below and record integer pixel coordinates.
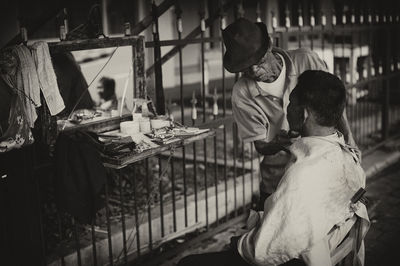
(139, 79)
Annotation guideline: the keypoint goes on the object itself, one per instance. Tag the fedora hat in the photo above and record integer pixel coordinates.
(246, 43)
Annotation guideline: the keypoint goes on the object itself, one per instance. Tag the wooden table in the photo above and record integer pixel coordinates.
(121, 161)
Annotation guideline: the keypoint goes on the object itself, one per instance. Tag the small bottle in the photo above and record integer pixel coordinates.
(63, 34)
(136, 114)
(127, 29)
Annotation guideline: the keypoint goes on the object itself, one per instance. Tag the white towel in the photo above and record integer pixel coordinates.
(47, 77)
(28, 82)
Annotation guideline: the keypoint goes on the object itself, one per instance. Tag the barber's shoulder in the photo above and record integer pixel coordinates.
(241, 88)
(301, 53)
(304, 59)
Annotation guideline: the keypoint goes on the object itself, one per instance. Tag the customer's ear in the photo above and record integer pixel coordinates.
(269, 48)
(306, 114)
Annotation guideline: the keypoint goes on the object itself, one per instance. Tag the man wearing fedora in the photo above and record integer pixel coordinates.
(261, 96)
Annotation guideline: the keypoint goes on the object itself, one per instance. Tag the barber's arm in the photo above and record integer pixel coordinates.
(344, 128)
(280, 143)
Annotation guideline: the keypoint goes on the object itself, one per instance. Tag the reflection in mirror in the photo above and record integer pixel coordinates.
(95, 84)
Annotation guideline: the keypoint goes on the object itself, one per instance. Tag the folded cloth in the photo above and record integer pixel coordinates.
(27, 82)
(47, 77)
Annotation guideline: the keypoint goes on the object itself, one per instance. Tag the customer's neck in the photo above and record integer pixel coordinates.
(317, 130)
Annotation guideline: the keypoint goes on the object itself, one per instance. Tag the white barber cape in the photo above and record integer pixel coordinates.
(312, 197)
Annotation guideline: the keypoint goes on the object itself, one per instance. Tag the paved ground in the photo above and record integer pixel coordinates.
(382, 239)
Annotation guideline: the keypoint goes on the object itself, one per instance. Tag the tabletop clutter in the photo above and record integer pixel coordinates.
(147, 133)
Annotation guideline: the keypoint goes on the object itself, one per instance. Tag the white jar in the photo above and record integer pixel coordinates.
(144, 125)
(129, 127)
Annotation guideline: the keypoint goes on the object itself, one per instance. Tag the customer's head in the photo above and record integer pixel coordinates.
(318, 98)
(106, 88)
(246, 44)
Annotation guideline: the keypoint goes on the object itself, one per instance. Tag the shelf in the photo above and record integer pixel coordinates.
(97, 124)
(122, 161)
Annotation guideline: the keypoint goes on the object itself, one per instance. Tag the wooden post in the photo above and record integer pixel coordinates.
(160, 98)
(139, 69)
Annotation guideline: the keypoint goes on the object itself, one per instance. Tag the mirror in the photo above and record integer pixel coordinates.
(97, 84)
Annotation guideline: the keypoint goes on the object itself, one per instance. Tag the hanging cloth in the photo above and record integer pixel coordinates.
(47, 77)
(28, 82)
(18, 134)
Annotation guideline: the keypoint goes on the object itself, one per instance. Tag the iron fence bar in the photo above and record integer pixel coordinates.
(77, 244)
(196, 207)
(343, 27)
(251, 168)
(234, 129)
(173, 193)
(397, 59)
(161, 199)
(354, 110)
(369, 86)
(386, 89)
(359, 107)
(364, 75)
(238, 13)
(243, 179)
(149, 202)
(137, 234)
(323, 31)
(369, 75)
(333, 26)
(381, 85)
(110, 253)
(312, 25)
(121, 198)
(225, 172)
(203, 88)
(300, 22)
(178, 12)
(216, 173)
(222, 26)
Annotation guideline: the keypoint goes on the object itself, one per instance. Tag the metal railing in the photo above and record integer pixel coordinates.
(193, 191)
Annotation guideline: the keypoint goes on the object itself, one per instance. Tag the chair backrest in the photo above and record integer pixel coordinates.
(341, 252)
(349, 244)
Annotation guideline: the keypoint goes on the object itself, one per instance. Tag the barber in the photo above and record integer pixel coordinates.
(261, 96)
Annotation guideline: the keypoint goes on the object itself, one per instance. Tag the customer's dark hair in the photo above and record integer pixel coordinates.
(324, 94)
(109, 88)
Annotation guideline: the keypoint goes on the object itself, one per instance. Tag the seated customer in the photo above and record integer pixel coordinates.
(106, 91)
(310, 212)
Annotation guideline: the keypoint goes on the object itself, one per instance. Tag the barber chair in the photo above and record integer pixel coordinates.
(346, 250)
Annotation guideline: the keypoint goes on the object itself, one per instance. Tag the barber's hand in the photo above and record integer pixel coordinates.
(283, 138)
